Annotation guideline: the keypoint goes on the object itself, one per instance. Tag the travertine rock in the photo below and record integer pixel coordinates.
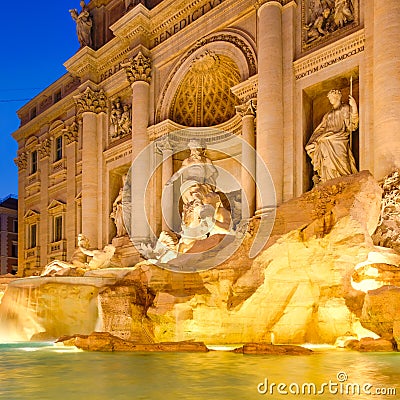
(300, 288)
(265, 348)
(370, 344)
(387, 233)
(104, 341)
(381, 309)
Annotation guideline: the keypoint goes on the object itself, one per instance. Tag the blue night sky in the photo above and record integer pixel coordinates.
(37, 38)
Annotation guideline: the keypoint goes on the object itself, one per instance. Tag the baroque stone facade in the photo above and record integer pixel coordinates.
(260, 70)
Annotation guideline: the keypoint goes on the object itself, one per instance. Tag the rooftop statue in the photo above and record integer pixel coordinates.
(329, 145)
(83, 24)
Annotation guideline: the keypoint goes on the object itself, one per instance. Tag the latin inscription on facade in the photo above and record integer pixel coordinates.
(339, 52)
(193, 16)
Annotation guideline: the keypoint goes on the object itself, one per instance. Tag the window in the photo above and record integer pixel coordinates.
(58, 148)
(34, 161)
(14, 250)
(15, 226)
(57, 96)
(32, 235)
(33, 113)
(58, 228)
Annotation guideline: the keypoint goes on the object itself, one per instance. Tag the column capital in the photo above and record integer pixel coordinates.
(45, 148)
(138, 69)
(91, 101)
(247, 108)
(163, 144)
(21, 161)
(71, 133)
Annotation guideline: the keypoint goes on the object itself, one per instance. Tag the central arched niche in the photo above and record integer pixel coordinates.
(203, 97)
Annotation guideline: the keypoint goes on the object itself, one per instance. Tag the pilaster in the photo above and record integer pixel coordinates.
(71, 138)
(248, 113)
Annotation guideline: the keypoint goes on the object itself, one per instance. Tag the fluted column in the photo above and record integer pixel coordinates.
(138, 72)
(386, 86)
(270, 94)
(89, 105)
(248, 113)
(167, 198)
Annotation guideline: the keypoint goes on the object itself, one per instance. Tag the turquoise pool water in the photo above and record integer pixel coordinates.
(43, 371)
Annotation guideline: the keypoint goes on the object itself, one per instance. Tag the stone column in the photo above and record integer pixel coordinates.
(138, 71)
(71, 137)
(248, 113)
(167, 199)
(89, 105)
(270, 94)
(22, 163)
(44, 239)
(386, 87)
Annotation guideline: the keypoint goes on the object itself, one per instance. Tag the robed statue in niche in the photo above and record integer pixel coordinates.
(329, 146)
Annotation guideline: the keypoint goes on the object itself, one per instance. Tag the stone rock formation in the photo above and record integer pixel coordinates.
(369, 344)
(319, 277)
(104, 341)
(298, 289)
(388, 231)
(265, 348)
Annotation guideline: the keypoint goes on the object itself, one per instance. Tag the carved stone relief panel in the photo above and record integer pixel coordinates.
(324, 20)
(120, 119)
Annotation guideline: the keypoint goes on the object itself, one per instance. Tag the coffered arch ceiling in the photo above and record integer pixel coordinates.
(203, 97)
(233, 56)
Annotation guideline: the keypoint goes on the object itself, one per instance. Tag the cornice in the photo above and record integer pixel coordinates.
(246, 90)
(331, 54)
(132, 23)
(46, 117)
(163, 19)
(83, 62)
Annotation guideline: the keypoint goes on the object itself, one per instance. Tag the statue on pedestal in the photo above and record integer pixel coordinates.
(83, 24)
(117, 213)
(329, 146)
